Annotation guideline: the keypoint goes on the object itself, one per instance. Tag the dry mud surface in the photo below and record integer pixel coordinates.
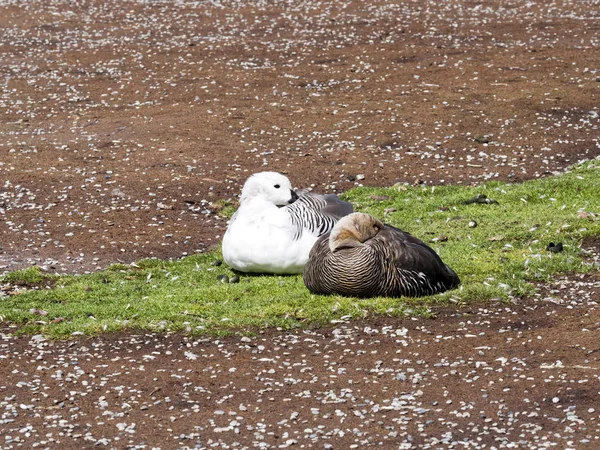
(125, 124)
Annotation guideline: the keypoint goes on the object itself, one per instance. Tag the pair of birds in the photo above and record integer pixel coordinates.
(339, 251)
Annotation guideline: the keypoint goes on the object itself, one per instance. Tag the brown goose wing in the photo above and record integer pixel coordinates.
(409, 253)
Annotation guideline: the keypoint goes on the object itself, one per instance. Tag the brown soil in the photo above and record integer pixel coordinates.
(125, 125)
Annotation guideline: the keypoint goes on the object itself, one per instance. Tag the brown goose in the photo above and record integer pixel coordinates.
(362, 257)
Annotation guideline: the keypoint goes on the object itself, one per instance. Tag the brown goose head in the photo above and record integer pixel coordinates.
(352, 230)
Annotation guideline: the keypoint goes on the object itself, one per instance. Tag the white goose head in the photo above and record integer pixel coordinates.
(352, 230)
(272, 187)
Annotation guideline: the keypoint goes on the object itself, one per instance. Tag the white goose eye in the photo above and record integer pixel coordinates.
(276, 186)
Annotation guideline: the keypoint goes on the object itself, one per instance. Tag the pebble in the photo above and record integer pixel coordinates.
(37, 338)
(223, 278)
(321, 382)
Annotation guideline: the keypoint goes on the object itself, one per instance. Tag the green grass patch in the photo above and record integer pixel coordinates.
(497, 259)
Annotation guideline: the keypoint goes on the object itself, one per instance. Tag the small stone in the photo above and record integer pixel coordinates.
(38, 338)
(191, 356)
(480, 198)
(379, 197)
(216, 262)
(234, 279)
(223, 278)
(583, 215)
(555, 248)
(472, 224)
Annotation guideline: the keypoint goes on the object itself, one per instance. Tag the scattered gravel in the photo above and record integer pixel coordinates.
(126, 125)
(494, 376)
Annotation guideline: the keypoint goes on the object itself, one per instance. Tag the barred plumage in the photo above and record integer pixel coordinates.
(310, 213)
(362, 257)
(275, 228)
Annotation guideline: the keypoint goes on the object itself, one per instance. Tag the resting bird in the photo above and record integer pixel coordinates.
(274, 228)
(362, 257)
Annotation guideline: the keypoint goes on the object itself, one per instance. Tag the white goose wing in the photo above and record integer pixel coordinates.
(316, 214)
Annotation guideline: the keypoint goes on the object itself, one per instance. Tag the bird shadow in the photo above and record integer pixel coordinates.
(261, 274)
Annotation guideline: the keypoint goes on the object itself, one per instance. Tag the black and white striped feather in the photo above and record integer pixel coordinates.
(316, 214)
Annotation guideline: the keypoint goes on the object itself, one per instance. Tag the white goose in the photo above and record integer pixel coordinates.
(274, 228)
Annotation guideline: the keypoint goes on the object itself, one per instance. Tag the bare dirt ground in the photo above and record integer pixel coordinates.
(124, 126)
